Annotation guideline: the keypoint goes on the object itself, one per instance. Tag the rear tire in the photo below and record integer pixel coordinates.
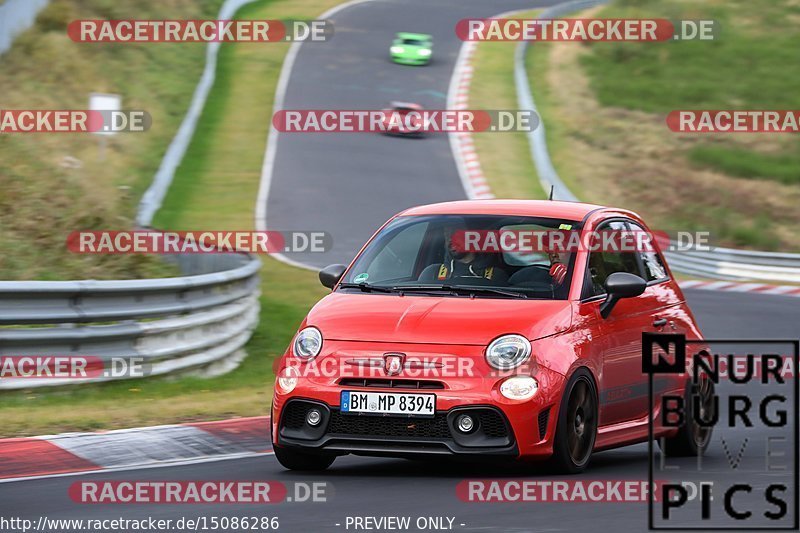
(303, 461)
(576, 431)
(692, 439)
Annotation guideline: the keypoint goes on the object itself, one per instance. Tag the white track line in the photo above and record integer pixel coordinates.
(272, 137)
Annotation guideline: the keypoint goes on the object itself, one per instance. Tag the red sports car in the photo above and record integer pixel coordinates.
(447, 335)
(403, 119)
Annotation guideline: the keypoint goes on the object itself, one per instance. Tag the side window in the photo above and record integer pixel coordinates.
(653, 267)
(603, 263)
(396, 260)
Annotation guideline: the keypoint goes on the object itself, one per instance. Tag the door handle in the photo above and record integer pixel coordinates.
(660, 322)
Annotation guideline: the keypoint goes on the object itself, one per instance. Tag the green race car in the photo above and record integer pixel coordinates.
(412, 48)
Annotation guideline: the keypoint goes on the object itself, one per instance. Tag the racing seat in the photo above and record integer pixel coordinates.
(430, 274)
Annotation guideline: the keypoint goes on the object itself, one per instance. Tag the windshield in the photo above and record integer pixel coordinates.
(414, 42)
(461, 255)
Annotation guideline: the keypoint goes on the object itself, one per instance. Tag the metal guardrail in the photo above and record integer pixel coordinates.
(719, 263)
(198, 321)
(536, 139)
(737, 265)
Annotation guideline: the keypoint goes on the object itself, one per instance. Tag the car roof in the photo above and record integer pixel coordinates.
(536, 208)
(416, 36)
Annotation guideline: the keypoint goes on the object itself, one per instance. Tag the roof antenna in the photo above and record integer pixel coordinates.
(551, 192)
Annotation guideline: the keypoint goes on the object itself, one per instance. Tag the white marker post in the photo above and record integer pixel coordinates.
(104, 102)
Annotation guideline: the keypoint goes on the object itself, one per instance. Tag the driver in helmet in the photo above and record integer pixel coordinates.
(462, 264)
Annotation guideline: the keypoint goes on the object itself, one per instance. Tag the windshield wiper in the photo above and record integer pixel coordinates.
(459, 289)
(366, 287)
(490, 290)
(433, 289)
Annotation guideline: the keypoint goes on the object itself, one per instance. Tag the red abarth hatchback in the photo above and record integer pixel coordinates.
(437, 341)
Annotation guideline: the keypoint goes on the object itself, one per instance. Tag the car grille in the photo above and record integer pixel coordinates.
(388, 426)
(492, 428)
(392, 383)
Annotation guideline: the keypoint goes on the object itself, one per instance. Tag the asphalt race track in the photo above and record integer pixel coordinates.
(348, 184)
(359, 486)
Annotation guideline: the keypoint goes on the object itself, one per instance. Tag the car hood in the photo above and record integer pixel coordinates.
(435, 319)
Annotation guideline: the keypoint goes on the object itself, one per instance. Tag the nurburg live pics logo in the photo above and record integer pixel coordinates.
(749, 477)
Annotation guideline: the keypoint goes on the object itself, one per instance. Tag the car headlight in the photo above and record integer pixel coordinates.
(424, 52)
(307, 343)
(287, 380)
(508, 351)
(519, 388)
(398, 49)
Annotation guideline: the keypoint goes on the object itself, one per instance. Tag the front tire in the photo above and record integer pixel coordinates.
(692, 439)
(302, 461)
(576, 431)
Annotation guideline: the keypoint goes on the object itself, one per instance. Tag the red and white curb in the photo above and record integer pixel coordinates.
(71, 453)
(737, 286)
(469, 168)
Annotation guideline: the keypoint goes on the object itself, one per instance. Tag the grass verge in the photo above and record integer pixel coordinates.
(603, 105)
(505, 157)
(781, 167)
(215, 188)
(748, 67)
(53, 184)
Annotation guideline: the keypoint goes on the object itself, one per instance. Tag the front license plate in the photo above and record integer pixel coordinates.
(388, 403)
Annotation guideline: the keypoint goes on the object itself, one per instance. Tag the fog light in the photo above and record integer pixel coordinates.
(465, 423)
(314, 417)
(519, 388)
(287, 381)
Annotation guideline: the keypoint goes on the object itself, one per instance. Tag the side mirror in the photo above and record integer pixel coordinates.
(331, 274)
(621, 285)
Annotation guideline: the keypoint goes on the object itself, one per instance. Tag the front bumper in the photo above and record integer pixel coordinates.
(384, 435)
(457, 374)
(396, 132)
(411, 60)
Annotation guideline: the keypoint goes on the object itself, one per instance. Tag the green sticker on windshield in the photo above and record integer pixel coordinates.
(565, 226)
(361, 278)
